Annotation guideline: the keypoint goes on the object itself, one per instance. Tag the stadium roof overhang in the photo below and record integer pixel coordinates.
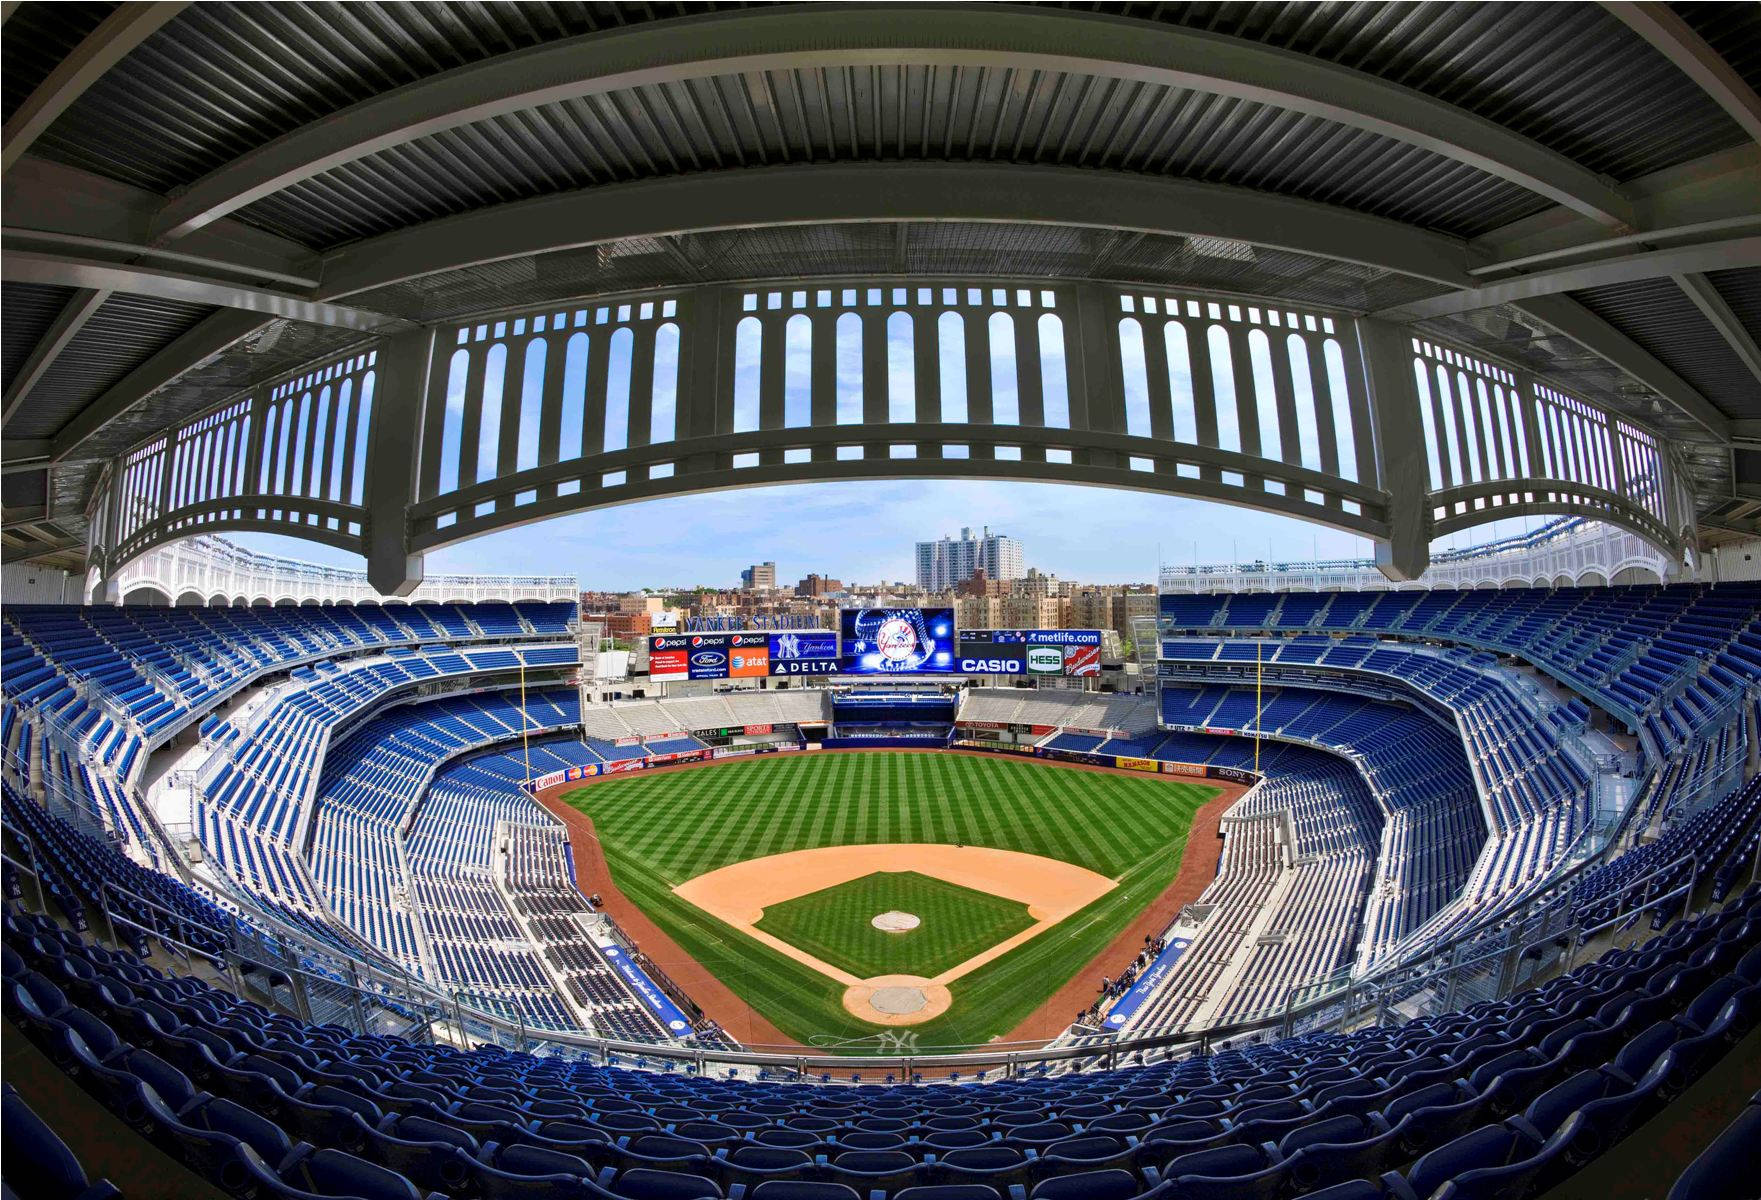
(1587, 210)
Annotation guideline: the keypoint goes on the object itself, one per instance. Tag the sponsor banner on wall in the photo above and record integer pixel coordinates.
(1031, 652)
(1082, 660)
(803, 652)
(989, 658)
(669, 657)
(1140, 764)
(748, 655)
(709, 655)
(1233, 775)
(657, 1001)
(1174, 768)
(759, 730)
(633, 740)
(733, 751)
(1152, 978)
(1221, 732)
(985, 725)
(618, 766)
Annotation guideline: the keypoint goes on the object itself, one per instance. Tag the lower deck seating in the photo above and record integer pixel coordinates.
(1506, 1098)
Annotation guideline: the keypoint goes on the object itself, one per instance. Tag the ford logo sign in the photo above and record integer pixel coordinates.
(708, 658)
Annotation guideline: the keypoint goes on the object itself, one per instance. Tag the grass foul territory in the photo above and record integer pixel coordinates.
(659, 829)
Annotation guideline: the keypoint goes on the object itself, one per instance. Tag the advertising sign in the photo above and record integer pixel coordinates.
(758, 730)
(1082, 660)
(991, 658)
(1139, 764)
(803, 652)
(669, 657)
(898, 641)
(748, 655)
(1030, 652)
(709, 655)
(657, 1001)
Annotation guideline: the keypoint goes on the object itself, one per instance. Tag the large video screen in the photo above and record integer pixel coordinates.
(898, 641)
(1030, 652)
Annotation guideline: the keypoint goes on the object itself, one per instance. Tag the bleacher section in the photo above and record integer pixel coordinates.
(1057, 708)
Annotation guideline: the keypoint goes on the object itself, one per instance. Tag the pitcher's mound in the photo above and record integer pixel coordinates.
(897, 922)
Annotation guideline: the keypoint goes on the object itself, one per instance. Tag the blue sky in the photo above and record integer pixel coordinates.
(865, 531)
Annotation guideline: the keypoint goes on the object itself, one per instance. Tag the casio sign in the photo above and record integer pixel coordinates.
(991, 666)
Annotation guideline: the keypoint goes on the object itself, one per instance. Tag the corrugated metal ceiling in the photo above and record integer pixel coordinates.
(224, 78)
(1658, 315)
(120, 336)
(29, 309)
(890, 114)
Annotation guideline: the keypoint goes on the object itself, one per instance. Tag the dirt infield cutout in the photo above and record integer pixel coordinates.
(739, 893)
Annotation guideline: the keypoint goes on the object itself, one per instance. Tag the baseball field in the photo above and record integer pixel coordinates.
(994, 880)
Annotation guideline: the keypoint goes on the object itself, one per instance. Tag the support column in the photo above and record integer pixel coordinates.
(394, 454)
(1400, 448)
(1097, 393)
(698, 404)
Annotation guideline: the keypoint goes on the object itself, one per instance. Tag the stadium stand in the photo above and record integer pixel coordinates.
(286, 890)
(1506, 1097)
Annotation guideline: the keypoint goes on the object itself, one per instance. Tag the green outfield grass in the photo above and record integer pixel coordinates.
(836, 926)
(660, 828)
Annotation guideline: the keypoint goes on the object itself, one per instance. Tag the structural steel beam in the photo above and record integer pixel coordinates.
(1600, 338)
(112, 41)
(213, 335)
(1676, 40)
(63, 270)
(836, 37)
(915, 191)
(1625, 268)
(74, 314)
(1730, 327)
(23, 454)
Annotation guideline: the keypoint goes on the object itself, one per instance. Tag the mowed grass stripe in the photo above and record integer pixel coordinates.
(659, 829)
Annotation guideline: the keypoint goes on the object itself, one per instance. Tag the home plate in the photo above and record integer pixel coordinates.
(897, 922)
(898, 1001)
